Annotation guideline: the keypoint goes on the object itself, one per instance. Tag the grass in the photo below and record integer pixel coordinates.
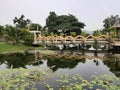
(10, 48)
(5, 47)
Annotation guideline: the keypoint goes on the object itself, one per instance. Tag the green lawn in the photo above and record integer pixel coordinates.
(7, 48)
(10, 48)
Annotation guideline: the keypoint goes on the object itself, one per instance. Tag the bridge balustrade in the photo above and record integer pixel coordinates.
(77, 40)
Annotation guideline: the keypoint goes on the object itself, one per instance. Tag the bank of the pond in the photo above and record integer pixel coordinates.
(20, 48)
(42, 79)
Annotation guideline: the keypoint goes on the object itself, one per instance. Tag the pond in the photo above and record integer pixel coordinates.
(71, 64)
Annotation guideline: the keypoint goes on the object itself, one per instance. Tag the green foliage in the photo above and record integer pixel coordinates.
(28, 38)
(15, 34)
(109, 22)
(84, 33)
(44, 32)
(103, 82)
(51, 34)
(51, 22)
(1, 30)
(23, 78)
(21, 22)
(62, 34)
(12, 34)
(97, 33)
(35, 26)
(73, 34)
(19, 79)
(112, 32)
(63, 24)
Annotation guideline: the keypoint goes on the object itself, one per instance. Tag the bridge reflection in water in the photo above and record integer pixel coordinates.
(67, 60)
(68, 55)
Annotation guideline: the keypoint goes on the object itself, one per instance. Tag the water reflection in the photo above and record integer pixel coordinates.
(16, 60)
(113, 63)
(63, 61)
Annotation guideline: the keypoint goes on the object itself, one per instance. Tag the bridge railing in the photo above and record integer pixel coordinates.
(70, 39)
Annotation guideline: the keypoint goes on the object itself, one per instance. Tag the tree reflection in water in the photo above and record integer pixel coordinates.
(16, 60)
(58, 61)
(55, 64)
(113, 63)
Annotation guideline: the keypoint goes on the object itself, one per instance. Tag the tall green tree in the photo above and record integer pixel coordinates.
(51, 22)
(68, 24)
(63, 24)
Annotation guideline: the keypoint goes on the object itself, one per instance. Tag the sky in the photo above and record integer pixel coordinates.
(90, 12)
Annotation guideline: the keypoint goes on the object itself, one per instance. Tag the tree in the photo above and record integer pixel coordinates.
(13, 34)
(68, 24)
(44, 31)
(73, 34)
(28, 38)
(1, 31)
(20, 31)
(21, 22)
(63, 24)
(97, 33)
(35, 26)
(84, 33)
(51, 22)
(109, 22)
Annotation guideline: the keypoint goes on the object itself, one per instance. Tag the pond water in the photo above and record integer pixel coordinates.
(73, 63)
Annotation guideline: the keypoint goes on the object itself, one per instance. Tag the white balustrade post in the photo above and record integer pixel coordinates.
(35, 41)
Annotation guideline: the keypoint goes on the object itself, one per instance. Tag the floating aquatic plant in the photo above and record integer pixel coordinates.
(21, 79)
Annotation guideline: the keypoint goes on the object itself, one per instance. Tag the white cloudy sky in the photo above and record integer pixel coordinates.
(91, 12)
